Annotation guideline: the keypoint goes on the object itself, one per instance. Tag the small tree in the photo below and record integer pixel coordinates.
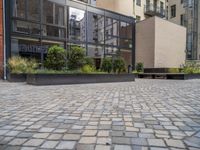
(119, 65)
(56, 58)
(140, 67)
(106, 65)
(76, 57)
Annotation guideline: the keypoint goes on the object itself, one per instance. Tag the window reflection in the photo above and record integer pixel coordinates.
(19, 8)
(34, 10)
(77, 25)
(96, 28)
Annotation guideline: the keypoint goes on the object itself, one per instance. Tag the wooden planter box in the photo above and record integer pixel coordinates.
(12, 77)
(59, 79)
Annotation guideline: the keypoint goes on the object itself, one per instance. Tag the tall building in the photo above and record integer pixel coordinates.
(32, 26)
(187, 13)
(140, 9)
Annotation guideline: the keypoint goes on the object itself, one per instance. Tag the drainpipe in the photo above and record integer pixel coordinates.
(4, 40)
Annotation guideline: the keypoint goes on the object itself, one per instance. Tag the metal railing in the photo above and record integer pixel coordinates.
(153, 10)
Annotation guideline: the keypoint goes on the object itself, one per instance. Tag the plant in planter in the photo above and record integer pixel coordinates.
(106, 65)
(76, 57)
(19, 67)
(119, 65)
(191, 68)
(56, 58)
(140, 67)
(87, 69)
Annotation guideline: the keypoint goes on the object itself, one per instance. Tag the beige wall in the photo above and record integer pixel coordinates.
(169, 47)
(156, 44)
(145, 42)
(121, 6)
(126, 7)
(179, 11)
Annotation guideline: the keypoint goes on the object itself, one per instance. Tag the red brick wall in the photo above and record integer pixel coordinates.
(1, 38)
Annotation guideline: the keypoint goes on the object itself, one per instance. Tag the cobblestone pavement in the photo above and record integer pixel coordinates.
(142, 115)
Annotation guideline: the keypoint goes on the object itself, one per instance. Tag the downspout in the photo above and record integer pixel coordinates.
(4, 41)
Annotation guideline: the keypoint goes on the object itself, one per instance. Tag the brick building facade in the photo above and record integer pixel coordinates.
(1, 38)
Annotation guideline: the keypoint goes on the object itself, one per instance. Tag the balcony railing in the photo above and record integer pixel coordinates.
(152, 10)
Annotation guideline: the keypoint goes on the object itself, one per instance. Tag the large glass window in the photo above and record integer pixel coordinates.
(77, 25)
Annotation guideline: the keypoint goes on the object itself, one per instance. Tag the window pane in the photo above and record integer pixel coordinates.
(26, 27)
(53, 31)
(59, 12)
(34, 10)
(77, 25)
(19, 8)
(96, 28)
(47, 12)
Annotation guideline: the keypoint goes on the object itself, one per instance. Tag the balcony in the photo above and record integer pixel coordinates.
(152, 10)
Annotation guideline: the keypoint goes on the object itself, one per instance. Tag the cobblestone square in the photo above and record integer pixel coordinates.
(141, 115)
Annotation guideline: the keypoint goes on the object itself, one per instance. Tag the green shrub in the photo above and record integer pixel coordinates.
(140, 67)
(87, 69)
(56, 58)
(106, 65)
(119, 65)
(89, 61)
(19, 65)
(173, 70)
(76, 57)
(191, 68)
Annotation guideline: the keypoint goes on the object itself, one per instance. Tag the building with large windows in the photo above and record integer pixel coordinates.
(187, 13)
(32, 26)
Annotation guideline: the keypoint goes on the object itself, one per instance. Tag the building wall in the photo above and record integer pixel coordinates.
(145, 42)
(127, 7)
(155, 45)
(1, 38)
(124, 7)
(180, 10)
(169, 50)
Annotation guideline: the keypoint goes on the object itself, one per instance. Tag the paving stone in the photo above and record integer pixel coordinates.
(85, 147)
(121, 140)
(175, 143)
(18, 141)
(55, 136)
(89, 133)
(122, 147)
(139, 141)
(72, 137)
(66, 145)
(156, 142)
(103, 133)
(88, 140)
(49, 144)
(34, 142)
(104, 141)
(41, 135)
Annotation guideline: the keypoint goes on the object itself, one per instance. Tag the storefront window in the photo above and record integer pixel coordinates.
(77, 25)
